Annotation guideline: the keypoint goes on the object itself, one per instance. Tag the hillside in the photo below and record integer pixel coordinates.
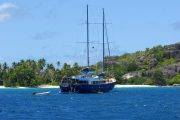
(159, 65)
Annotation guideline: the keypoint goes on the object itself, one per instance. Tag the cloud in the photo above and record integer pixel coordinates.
(44, 47)
(176, 25)
(44, 35)
(5, 11)
(4, 17)
(7, 6)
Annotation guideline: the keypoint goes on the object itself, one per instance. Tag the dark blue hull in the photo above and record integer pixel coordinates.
(86, 88)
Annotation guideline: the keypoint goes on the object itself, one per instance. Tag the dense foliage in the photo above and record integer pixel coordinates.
(159, 65)
(174, 80)
(33, 73)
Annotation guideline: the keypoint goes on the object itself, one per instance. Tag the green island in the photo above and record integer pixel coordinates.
(159, 65)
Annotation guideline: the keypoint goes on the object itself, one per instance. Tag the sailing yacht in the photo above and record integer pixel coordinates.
(87, 81)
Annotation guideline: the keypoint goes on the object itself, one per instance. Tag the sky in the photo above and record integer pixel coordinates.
(55, 29)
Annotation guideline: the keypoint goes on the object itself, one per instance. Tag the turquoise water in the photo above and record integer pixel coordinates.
(161, 103)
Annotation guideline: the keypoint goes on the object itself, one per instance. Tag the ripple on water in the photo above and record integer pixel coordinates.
(119, 104)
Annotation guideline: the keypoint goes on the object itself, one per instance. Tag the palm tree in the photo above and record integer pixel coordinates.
(41, 63)
(14, 64)
(5, 66)
(58, 64)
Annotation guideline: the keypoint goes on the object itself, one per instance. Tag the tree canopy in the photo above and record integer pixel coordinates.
(33, 73)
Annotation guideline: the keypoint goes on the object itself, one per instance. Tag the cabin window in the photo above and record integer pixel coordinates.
(98, 82)
(83, 82)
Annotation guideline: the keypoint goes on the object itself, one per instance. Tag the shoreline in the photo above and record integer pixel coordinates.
(41, 86)
(48, 86)
(134, 86)
(116, 86)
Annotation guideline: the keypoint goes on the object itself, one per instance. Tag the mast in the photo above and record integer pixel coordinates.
(103, 42)
(87, 23)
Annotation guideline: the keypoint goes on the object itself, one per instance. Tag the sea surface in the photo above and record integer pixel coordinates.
(157, 103)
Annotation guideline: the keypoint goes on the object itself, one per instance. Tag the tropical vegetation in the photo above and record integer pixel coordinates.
(33, 73)
(159, 65)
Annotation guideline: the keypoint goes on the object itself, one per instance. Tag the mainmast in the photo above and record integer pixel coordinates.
(87, 22)
(103, 41)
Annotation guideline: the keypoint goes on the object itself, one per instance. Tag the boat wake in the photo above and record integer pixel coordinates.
(41, 93)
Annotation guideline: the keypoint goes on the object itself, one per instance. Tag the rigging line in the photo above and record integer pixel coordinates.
(93, 23)
(107, 38)
(94, 42)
